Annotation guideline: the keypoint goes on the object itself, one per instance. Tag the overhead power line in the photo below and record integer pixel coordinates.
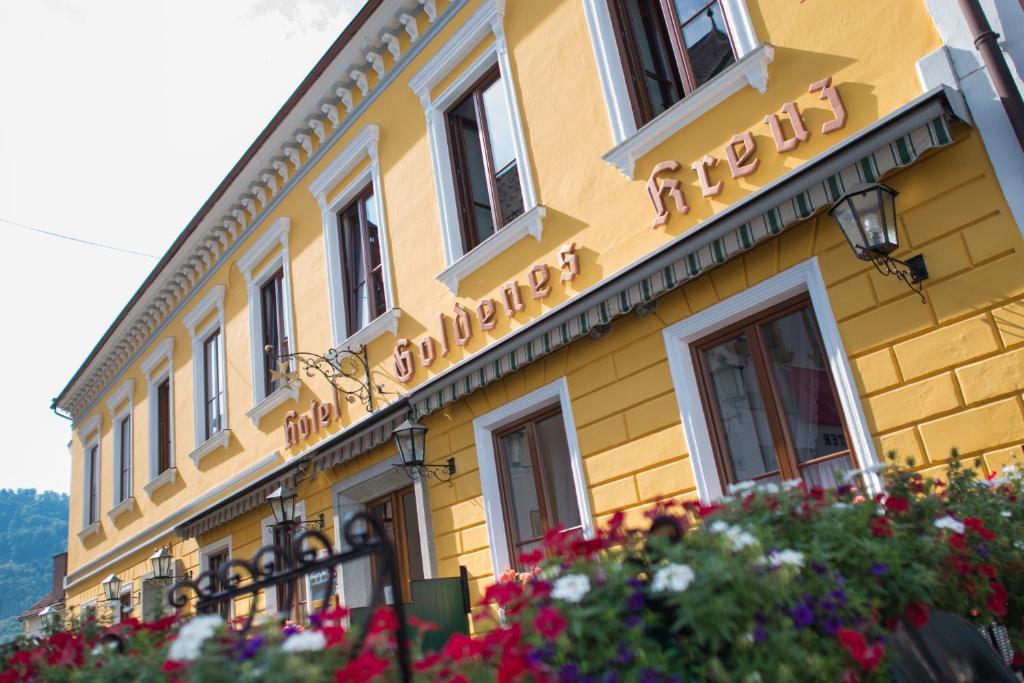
(75, 239)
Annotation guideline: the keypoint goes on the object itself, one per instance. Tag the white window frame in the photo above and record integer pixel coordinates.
(118, 614)
(205, 551)
(353, 493)
(556, 393)
(211, 304)
(630, 143)
(486, 21)
(157, 367)
(91, 428)
(802, 278)
(93, 604)
(274, 239)
(125, 396)
(362, 147)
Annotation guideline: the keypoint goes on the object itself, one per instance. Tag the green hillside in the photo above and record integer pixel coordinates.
(33, 528)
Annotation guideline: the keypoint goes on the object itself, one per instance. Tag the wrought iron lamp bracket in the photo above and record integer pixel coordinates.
(347, 369)
(442, 472)
(911, 272)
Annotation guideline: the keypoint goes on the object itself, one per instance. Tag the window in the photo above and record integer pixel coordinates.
(484, 161)
(536, 480)
(214, 562)
(362, 265)
(274, 336)
(213, 392)
(163, 426)
(397, 513)
(123, 608)
(124, 459)
(770, 399)
(89, 611)
(92, 485)
(284, 538)
(669, 49)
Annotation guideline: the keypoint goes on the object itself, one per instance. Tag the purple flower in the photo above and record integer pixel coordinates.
(624, 656)
(842, 490)
(878, 568)
(541, 654)
(982, 550)
(610, 677)
(819, 568)
(831, 624)
(291, 629)
(802, 615)
(760, 634)
(650, 676)
(635, 601)
(250, 647)
(569, 673)
(635, 583)
(634, 621)
(839, 595)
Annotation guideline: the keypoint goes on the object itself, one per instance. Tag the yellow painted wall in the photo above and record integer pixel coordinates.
(924, 371)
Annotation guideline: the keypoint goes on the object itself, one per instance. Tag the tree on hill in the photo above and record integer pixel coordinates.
(33, 528)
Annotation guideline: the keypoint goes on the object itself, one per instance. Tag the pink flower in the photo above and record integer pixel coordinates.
(549, 622)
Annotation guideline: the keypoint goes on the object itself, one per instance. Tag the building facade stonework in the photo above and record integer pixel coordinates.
(585, 244)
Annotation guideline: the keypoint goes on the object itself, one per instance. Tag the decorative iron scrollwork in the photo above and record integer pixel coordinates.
(310, 551)
(348, 371)
(911, 272)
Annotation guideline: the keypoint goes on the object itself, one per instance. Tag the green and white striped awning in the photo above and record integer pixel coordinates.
(796, 208)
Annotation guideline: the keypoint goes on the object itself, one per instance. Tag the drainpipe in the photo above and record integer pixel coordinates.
(986, 42)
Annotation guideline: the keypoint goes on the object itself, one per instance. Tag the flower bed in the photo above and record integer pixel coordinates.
(776, 582)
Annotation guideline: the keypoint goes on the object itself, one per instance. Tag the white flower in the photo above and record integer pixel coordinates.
(791, 483)
(872, 469)
(191, 637)
(1019, 545)
(719, 526)
(305, 641)
(672, 577)
(950, 523)
(1006, 513)
(793, 558)
(726, 499)
(1010, 470)
(571, 587)
(741, 486)
(840, 505)
(739, 538)
(769, 487)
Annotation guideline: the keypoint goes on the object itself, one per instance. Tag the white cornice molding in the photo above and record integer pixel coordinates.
(126, 505)
(91, 530)
(385, 322)
(168, 476)
(287, 392)
(125, 393)
(275, 235)
(363, 145)
(530, 223)
(219, 440)
(162, 352)
(752, 70)
(214, 300)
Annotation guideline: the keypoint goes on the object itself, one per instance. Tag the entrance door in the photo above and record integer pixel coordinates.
(397, 512)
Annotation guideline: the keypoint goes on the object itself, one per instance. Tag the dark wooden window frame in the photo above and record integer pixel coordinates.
(214, 337)
(214, 561)
(273, 330)
(463, 188)
(163, 428)
(628, 52)
(377, 308)
(540, 478)
(399, 543)
(785, 450)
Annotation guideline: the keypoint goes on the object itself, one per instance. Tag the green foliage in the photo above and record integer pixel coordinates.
(33, 528)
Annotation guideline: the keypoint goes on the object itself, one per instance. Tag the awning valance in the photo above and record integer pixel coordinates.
(892, 143)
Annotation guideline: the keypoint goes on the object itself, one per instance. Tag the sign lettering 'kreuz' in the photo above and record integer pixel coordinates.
(458, 328)
(740, 153)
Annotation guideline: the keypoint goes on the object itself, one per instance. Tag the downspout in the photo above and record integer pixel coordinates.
(986, 42)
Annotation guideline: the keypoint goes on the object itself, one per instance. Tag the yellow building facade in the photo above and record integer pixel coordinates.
(595, 287)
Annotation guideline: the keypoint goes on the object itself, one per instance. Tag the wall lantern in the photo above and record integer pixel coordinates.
(51, 616)
(282, 504)
(867, 216)
(410, 438)
(112, 588)
(161, 562)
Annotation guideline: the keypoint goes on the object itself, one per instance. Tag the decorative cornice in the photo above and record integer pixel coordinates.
(380, 35)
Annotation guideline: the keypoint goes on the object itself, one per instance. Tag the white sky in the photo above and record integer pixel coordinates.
(118, 118)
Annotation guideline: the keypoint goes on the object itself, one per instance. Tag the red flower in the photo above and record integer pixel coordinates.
(958, 541)
(333, 635)
(977, 526)
(503, 592)
(460, 646)
(897, 504)
(384, 619)
(987, 571)
(880, 527)
(996, 601)
(917, 614)
(421, 625)
(504, 637)
(171, 666)
(549, 623)
(532, 557)
(428, 662)
(868, 656)
(160, 625)
(365, 667)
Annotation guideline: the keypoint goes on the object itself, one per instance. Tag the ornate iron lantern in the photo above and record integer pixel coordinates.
(161, 561)
(51, 616)
(867, 216)
(410, 439)
(112, 588)
(282, 504)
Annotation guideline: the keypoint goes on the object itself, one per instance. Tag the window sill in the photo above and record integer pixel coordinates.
(530, 223)
(168, 476)
(751, 70)
(126, 505)
(385, 322)
(88, 531)
(218, 440)
(289, 391)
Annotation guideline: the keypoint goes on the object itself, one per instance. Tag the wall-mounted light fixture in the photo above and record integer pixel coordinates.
(411, 440)
(867, 216)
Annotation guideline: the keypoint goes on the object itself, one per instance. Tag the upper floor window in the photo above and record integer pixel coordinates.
(771, 401)
(536, 480)
(92, 485)
(213, 390)
(163, 426)
(362, 265)
(484, 160)
(669, 49)
(124, 459)
(275, 338)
